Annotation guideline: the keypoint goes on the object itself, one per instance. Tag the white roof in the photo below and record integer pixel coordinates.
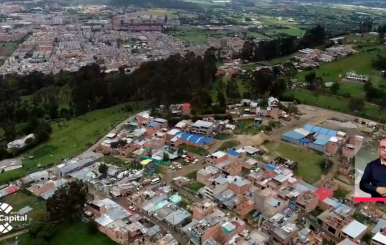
(354, 229)
(111, 135)
(180, 125)
(379, 237)
(341, 133)
(173, 131)
(302, 131)
(201, 123)
(219, 154)
(333, 139)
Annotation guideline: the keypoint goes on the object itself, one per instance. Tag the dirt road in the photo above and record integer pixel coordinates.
(6, 237)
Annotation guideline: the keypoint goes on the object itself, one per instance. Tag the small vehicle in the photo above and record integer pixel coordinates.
(132, 208)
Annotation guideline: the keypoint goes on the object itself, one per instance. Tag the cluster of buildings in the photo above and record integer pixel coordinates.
(311, 57)
(274, 199)
(124, 226)
(60, 41)
(327, 141)
(254, 110)
(153, 135)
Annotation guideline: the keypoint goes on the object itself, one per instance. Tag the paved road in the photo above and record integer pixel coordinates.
(6, 237)
(90, 151)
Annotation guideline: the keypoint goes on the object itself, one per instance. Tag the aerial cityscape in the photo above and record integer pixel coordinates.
(205, 122)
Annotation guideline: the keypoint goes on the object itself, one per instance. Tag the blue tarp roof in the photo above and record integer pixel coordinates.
(233, 153)
(321, 139)
(270, 166)
(201, 140)
(153, 124)
(305, 141)
(320, 130)
(293, 135)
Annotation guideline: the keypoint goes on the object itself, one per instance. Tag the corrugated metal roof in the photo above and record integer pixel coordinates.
(317, 129)
(322, 139)
(233, 153)
(354, 229)
(380, 225)
(302, 131)
(293, 135)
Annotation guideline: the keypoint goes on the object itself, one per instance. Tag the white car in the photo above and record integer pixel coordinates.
(132, 208)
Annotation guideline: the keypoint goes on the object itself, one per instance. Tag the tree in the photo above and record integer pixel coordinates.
(33, 124)
(290, 72)
(381, 37)
(335, 88)
(43, 132)
(9, 132)
(261, 81)
(42, 228)
(165, 157)
(103, 168)
(232, 90)
(180, 152)
(356, 104)
(67, 203)
(221, 98)
(92, 227)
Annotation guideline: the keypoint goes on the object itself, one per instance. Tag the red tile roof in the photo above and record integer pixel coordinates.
(323, 193)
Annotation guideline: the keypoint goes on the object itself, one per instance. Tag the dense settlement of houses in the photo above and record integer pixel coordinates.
(60, 41)
(243, 200)
(269, 196)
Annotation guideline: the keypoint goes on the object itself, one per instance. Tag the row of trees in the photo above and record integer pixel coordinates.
(283, 45)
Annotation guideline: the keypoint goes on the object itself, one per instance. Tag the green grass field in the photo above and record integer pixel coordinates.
(193, 149)
(331, 102)
(359, 63)
(229, 144)
(293, 31)
(353, 88)
(192, 35)
(74, 234)
(20, 200)
(308, 160)
(194, 186)
(247, 127)
(70, 138)
(258, 35)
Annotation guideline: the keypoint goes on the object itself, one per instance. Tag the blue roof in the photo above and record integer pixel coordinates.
(321, 139)
(320, 130)
(233, 153)
(196, 139)
(270, 166)
(293, 135)
(305, 141)
(153, 124)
